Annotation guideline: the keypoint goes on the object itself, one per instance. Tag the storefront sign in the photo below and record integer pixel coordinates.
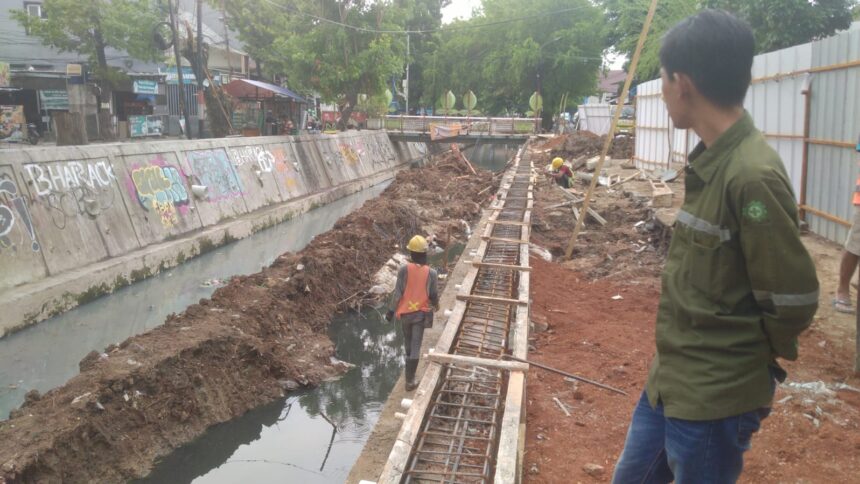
(139, 126)
(54, 99)
(4, 74)
(74, 69)
(187, 76)
(144, 86)
(12, 123)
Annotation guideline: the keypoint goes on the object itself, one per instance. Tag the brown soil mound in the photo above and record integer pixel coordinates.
(255, 339)
(586, 144)
(620, 249)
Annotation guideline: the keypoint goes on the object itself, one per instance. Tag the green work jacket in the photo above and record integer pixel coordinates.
(738, 286)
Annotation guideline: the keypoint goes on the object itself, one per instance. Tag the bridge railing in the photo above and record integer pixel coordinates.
(475, 125)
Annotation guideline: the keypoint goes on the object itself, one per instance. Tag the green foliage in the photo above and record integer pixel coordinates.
(783, 23)
(777, 24)
(89, 26)
(501, 63)
(627, 18)
(337, 62)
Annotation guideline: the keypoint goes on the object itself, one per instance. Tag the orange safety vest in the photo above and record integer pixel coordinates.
(415, 297)
(857, 192)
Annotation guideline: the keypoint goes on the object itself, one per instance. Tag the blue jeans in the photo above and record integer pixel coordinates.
(661, 449)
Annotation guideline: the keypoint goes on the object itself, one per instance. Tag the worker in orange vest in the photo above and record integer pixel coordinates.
(415, 295)
(851, 254)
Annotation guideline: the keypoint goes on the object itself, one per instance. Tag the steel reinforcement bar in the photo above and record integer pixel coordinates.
(466, 422)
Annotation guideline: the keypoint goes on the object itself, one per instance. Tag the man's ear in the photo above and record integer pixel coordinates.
(686, 88)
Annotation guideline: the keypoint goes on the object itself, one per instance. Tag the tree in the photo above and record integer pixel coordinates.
(777, 24)
(89, 27)
(315, 54)
(783, 23)
(504, 61)
(627, 18)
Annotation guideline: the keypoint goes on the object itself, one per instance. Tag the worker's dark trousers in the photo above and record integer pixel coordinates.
(413, 334)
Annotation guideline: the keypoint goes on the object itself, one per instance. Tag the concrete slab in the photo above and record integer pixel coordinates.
(160, 204)
(213, 169)
(20, 249)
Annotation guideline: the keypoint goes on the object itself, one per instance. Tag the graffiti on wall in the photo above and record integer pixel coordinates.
(213, 169)
(160, 188)
(9, 199)
(73, 188)
(348, 153)
(284, 167)
(245, 155)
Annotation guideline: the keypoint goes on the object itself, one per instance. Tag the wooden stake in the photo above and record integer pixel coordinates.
(609, 136)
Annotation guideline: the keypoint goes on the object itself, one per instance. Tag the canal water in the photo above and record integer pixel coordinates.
(311, 436)
(29, 359)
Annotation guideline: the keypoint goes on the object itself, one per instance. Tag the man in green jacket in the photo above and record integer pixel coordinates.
(738, 286)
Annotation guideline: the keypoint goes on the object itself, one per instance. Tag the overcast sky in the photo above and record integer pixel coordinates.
(459, 9)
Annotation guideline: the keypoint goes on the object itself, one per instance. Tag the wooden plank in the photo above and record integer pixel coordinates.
(596, 216)
(502, 239)
(473, 361)
(500, 266)
(509, 222)
(507, 463)
(490, 299)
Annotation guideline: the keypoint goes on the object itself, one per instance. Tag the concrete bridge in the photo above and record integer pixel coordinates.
(456, 129)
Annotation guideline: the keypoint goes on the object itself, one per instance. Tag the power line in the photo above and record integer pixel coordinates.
(294, 10)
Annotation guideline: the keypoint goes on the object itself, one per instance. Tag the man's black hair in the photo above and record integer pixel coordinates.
(418, 257)
(716, 50)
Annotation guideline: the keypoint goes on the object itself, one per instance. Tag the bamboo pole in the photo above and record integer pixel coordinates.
(630, 73)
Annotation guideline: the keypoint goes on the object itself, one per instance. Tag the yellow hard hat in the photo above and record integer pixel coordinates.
(556, 163)
(417, 244)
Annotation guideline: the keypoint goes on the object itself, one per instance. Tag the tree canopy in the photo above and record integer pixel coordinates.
(337, 62)
(504, 62)
(777, 24)
(89, 27)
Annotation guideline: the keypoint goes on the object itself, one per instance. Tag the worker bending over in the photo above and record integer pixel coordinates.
(415, 295)
(561, 173)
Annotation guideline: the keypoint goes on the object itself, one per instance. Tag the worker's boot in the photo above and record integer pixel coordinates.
(411, 366)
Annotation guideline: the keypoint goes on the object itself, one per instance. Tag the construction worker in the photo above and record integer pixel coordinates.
(851, 254)
(415, 295)
(738, 286)
(561, 173)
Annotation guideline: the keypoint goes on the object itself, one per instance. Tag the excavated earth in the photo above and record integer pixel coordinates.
(256, 339)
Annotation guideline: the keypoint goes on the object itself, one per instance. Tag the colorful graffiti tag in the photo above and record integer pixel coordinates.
(8, 199)
(349, 154)
(160, 188)
(287, 169)
(213, 169)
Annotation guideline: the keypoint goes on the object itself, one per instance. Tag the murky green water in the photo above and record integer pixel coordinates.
(311, 436)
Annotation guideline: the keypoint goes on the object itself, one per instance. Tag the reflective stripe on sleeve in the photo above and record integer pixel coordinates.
(704, 226)
(787, 299)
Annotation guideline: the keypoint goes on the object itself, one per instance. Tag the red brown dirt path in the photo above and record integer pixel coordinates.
(613, 341)
(810, 437)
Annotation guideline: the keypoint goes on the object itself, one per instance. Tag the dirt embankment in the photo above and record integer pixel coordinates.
(588, 144)
(257, 338)
(598, 313)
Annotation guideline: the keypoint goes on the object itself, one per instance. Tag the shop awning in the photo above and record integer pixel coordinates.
(250, 89)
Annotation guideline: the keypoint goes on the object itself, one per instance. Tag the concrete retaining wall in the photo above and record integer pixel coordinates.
(125, 210)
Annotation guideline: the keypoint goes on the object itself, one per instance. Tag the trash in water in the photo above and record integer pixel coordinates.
(213, 282)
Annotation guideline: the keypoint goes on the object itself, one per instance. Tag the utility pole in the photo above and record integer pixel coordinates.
(406, 87)
(226, 36)
(182, 108)
(200, 67)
